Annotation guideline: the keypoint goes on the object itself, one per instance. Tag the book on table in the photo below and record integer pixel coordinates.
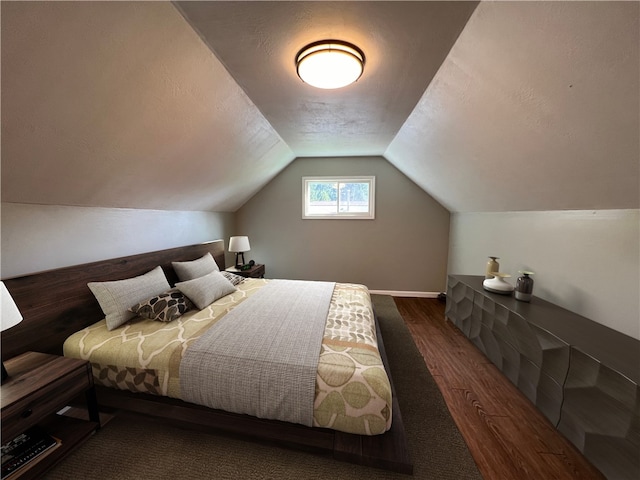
(24, 451)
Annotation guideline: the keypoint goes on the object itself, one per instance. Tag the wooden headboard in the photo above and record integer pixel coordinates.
(57, 303)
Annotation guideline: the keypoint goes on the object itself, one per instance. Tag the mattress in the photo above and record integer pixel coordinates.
(352, 394)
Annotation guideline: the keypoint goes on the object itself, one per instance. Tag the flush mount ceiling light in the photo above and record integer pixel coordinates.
(330, 64)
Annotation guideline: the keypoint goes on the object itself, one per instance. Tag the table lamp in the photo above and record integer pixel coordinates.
(239, 245)
(10, 316)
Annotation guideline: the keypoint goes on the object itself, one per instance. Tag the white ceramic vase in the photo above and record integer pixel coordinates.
(498, 284)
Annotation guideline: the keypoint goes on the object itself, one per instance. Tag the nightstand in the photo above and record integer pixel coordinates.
(39, 385)
(257, 271)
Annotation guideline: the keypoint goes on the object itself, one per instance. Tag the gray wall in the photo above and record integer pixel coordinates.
(42, 237)
(403, 250)
(585, 261)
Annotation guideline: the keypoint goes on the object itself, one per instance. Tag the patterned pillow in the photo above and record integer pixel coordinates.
(164, 307)
(233, 278)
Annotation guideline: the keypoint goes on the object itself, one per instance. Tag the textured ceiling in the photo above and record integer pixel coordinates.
(120, 104)
(404, 43)
(196, 105)
(536, 108)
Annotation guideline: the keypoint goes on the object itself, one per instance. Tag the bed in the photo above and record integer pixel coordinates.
(357, 420)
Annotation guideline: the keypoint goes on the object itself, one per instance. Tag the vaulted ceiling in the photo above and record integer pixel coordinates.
(491, 106)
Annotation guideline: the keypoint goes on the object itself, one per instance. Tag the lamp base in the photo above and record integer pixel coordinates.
(238, 262)
(5, 375)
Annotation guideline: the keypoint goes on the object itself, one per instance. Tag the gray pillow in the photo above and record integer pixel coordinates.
(195, 268)
(205, 290)
(116, 297)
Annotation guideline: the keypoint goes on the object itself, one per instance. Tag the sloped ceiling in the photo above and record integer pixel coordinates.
(404, 43)
(496, 106)
(120, 104)
(535, 108)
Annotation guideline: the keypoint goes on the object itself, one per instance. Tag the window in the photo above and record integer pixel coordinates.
(338, 197)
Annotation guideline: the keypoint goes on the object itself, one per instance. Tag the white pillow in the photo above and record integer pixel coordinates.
(205, 290)
(116, 297)
(195, 268)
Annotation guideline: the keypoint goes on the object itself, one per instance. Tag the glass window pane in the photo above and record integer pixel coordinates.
(323, 198)
(338, 197)
(354, 197)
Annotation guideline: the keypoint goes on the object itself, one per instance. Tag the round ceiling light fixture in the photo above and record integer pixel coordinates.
(330, 64)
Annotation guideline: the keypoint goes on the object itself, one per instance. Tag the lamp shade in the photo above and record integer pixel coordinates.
(239, 244)
(330, 64)
(10, 314)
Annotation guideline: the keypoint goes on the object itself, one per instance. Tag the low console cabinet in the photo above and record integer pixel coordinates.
(583, 376)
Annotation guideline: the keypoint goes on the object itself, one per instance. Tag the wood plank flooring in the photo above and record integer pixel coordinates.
(507, 436)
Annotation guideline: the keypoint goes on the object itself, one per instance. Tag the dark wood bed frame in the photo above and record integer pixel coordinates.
(57, 303)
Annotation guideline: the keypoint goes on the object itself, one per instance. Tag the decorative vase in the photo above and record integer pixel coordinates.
(492, 266)
(498, 284)
(524, 287)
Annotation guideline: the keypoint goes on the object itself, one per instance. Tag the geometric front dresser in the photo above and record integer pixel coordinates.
(583, 376)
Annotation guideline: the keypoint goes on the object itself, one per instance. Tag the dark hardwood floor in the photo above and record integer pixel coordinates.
(507, 436)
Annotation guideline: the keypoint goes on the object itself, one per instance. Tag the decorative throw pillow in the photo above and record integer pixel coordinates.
(116, 297)
(195, 268)
(164, 307)
(205, 290)
(233, 278)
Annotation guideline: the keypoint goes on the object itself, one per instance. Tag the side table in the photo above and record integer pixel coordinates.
(256, 271)
(39, 385)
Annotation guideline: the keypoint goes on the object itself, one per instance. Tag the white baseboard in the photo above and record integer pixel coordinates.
(398, 293)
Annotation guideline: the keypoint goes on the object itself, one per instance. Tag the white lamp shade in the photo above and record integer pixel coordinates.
(10, 314)
(239, 244)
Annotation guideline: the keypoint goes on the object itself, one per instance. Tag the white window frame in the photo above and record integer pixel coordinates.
(369, 215)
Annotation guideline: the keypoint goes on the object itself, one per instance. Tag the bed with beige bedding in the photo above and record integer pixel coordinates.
(136, 361)
(352, 391)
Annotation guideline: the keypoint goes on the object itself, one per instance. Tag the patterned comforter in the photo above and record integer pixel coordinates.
(353, 393)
